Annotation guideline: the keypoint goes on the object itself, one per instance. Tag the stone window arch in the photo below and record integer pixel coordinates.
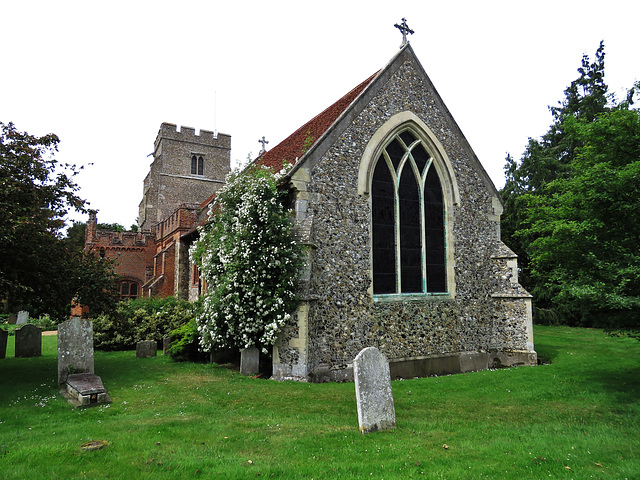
(412, 190)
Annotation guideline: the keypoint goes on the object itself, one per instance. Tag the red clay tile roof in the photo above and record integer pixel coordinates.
(294, 146)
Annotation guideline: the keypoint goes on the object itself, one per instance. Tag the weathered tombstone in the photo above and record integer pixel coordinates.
(23, 317)
(146, 349)
(4, 335)
(249, 361)
(28, 341)
(373, 391)
(75, 348)
(166, 345)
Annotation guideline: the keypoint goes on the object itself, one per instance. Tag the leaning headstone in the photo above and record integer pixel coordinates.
(146, 349)
(23, 317)
(75, 348)
(28, 341)
(249, 361)
(166, 345)
(373, 391)
(3, 343)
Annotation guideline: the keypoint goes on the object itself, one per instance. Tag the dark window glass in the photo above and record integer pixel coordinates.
(383, 229)
(124, 289)
(434, 229)
(410, 229)
(421, 157)
(133, 290)
(200, 166)
(396, 152)
(194, 165)
(407, 138)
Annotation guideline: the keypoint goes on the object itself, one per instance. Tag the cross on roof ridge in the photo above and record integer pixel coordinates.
(404, 28)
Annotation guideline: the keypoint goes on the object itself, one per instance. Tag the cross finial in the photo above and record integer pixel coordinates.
(263, 141)
(404, 28)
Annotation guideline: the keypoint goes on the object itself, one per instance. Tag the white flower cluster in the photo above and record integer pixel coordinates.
(250, 260)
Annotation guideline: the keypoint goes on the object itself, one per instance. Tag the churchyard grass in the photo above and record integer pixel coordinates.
(576, 418)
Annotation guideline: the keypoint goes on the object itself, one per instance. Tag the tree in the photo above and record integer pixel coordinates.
(250, 260)
(37, 270)
(585, 238)
(565, 210)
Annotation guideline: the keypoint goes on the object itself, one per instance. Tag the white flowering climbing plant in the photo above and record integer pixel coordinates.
(251, 261)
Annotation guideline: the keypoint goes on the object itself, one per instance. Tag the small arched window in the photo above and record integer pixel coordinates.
(128, 290)
(197, 165)
(408, 220)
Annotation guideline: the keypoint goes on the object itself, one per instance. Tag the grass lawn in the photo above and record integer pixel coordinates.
(575, 418)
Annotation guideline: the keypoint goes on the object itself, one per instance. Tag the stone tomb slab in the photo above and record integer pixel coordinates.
(85, 390)
(374, 397)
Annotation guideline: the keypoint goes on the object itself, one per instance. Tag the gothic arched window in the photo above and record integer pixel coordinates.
(197, 165)
(408, 220)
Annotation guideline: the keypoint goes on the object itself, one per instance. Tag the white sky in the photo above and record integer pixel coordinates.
(103, 76)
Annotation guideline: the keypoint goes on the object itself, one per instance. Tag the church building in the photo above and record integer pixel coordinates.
(401, 224)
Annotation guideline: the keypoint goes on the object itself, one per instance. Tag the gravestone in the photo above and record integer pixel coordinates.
(166, 345)
(4, 335)
(23, 317)
(374, 397)
(146, 349)
(84, 390)
(249, 361)
(28, 341)
(75, 348)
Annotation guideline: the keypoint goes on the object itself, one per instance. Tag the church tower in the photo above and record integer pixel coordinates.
(186, 169)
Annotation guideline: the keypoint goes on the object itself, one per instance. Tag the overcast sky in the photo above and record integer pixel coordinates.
(103, 76)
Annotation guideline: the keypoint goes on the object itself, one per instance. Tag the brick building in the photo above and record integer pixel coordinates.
(187, 169)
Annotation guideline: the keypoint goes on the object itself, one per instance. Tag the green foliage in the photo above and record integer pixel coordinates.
(569, 202)
(38, 271)
(583, 234)
(250, 260)
(184, 343)
(141, 319)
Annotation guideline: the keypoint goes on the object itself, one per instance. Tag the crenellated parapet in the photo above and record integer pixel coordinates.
(187, 134)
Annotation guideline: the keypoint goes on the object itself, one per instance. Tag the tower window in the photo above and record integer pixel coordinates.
(197, 165)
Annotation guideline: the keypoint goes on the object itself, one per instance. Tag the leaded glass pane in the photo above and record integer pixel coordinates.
(410, 238)
(396, 152)
(434, 230)
(383, 229)
(421, 157)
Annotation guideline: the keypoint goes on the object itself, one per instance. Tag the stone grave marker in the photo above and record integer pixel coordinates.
(146, 349)
(4, 335)
(374, 397)
(75, 348)
(23, 317)
(28, 341)
(85, 390)
(249, 361)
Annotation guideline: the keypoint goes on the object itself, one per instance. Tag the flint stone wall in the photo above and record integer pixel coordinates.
(334, 220)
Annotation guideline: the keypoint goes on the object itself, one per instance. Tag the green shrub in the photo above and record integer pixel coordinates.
(142, 319)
